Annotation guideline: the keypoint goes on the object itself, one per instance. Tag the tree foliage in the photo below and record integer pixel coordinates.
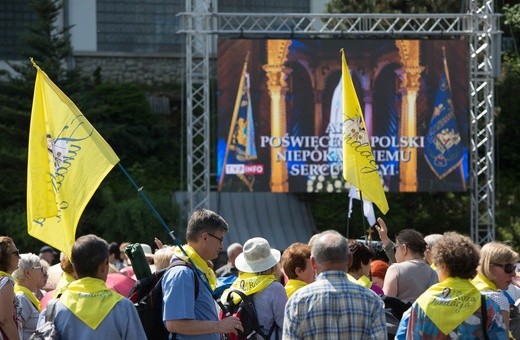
(143, 141)
(395, 6)
(508, 127)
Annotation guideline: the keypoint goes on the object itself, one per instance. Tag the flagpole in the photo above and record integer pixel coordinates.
(170, 232)
(233, 120)
(445, 61)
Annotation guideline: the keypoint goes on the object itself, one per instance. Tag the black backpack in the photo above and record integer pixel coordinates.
(245, 311)
(147, 297)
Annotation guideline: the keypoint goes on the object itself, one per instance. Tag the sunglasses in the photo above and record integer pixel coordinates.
(508, 267)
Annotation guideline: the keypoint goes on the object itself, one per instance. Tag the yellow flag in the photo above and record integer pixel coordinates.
(359, 165)
(67, 161)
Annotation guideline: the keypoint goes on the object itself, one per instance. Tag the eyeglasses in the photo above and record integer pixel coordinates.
(509, 268)
(40, 268)
(395, 247)
(221, 239)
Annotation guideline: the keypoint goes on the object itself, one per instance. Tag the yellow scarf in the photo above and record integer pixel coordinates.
(90, 300)
(293, 285)
(364, 281)
(248, 283)
(449, 303)
(5, 274)
(199, 262)
(64, 282)
(483, 283)
(30, 295)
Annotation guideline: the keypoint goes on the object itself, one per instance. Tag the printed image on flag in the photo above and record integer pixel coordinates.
(443, 148)
(359, 166)
(67, 161)
(240, 148)
(242, 145)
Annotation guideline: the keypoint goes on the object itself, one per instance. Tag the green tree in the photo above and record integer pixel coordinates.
(395, 6)
(508, 127)
(146, 143)
(49, 46)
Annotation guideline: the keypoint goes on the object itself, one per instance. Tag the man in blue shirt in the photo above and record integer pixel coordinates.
(191, 314)
(88, 309)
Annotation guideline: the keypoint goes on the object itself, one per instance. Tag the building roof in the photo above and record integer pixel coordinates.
(280, 218)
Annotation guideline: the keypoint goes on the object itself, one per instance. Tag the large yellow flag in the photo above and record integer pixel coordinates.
(68, 159)
(359, 165)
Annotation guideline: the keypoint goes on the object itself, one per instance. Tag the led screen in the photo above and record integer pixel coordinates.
(280, 113)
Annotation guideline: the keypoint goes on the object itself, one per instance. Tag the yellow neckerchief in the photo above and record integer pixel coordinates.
(199, 262)
(64, 282)
(483, 283)
(433, 266)
(248, 283)
(450, 302)
(364, 281)
(90, 300)
(30, 295)
(293, 285)
(5, 274)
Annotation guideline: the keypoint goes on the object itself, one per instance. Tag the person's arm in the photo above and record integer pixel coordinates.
(7, 311)
(388, 245)
(230, 324)
(390, 283)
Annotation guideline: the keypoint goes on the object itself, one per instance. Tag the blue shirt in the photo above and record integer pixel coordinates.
(179, 301)
(121, 323)
(332, 307)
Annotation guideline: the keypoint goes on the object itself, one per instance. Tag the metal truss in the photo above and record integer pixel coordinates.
(202, 21)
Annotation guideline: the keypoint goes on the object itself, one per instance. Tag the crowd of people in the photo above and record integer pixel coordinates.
(433, 287)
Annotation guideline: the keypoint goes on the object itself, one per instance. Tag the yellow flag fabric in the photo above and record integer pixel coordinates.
(90, 300)
(293, 285)
(67, 161)
(453, 297)
(359, 165)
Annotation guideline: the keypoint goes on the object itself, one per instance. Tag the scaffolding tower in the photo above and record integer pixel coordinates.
(202, 22)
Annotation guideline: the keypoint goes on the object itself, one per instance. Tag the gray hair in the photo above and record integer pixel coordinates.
(432, 239)
(330, 246)
(27, 261)
(204, 220)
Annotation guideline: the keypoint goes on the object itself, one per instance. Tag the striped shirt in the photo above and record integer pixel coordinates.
(334, 308)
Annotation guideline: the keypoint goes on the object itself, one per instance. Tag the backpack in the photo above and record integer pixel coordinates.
(246, 312)
(48, 330)
(147, 297)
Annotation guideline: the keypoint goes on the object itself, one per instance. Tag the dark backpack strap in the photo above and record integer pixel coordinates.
(175, 263)
(483, 311)
(250, 305)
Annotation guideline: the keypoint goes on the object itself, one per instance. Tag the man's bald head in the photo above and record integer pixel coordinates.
(330, 251)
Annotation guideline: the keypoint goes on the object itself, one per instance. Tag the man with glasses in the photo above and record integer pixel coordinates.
(189, 312)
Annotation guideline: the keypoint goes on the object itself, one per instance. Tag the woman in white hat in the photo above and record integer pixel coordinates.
(259, 269)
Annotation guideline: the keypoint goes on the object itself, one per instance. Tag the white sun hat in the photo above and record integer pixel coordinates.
(257, 256)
